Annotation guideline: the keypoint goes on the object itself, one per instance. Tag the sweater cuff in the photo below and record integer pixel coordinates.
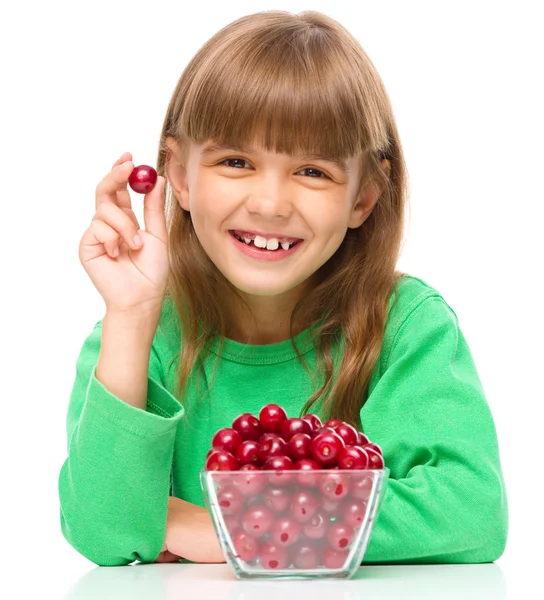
(162, 413)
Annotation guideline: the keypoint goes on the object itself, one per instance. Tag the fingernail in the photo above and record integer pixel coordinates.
(137, 240)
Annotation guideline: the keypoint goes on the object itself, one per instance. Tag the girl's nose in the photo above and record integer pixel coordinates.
(270, 199)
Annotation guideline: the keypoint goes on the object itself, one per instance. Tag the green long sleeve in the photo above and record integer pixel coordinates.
(114, 485)
(446, 499)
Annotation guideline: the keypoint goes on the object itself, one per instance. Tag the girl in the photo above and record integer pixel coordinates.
(279, 132)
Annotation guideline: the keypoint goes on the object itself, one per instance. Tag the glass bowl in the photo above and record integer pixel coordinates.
(294, 524)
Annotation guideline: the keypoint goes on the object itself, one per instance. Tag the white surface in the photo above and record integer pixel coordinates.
(84, 83)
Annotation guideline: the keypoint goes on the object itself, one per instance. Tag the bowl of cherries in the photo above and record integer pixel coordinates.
(293, 498)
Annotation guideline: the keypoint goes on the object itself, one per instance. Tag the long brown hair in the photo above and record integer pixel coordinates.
(300, 84)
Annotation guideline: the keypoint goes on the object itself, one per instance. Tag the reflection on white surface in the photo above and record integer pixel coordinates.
(180, 581)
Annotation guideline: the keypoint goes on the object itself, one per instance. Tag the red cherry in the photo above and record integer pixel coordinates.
(248, 426)
(333, 559)
(375, 459)
(326, 447)
(299, 446)
(247, 453)
(277, 499)
(348, 433)
(323, 429)
(293, 426)
(353, 457)
(313, 420)
(226, 439)
(273, 556)
(340, 535)
(304, 506)
(250, 483)
(279, 464)
(221, 460)
(334, 486)
(330, 506)
(317, 527)
(271, 445)
(352, 512)
(307, 479)
(230, 499)
(304, 555)
(245, 546)
(257, 520)
(362, 440)
(374, 446)
(142, 179)
(271, 417)
(361, 486)
(285, 531)
(332, 423)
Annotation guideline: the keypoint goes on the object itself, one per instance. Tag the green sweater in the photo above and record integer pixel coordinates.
(445, 501)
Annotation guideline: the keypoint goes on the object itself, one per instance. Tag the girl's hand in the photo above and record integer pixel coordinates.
(137, 277)
(190, 534)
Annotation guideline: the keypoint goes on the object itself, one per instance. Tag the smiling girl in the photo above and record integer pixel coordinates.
(266, 273)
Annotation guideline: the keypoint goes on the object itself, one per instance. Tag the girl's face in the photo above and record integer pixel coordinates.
(256, 191)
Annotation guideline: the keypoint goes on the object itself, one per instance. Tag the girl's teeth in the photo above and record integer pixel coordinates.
(247, 240)
(271, 244)
(285, 246)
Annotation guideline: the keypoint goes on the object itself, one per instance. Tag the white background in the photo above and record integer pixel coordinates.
(82, 83)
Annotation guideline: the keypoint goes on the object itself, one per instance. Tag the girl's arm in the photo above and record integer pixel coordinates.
(114, 484)
(190, 533)
(446, 499)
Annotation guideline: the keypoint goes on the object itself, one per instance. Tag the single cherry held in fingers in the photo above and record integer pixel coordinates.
(142, 179)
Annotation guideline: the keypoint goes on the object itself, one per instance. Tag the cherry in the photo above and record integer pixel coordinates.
(279, 464)
(375, 459)
(334, 486)
(313, 420)
(361, 486)
(340, 535)
(304, 506)
(221, 460)
(304, 555)
(271, 445)
(374, 446)
(319, 430)
(226, 439)
(293, 426)
(230, 499)
(273, 556)
(285, 531)
(307, 479)
(277, 499)
(333, 559)
(332, 423)
(347, 432)
(142, 179)
(353, 512)
(248, 426)
(257, 520)
(317, 527)
(353, 457)
(271, 417)
(247, 453)
(245, 546)
(299, 446)
(326, 447)
(362, 440)
(251, 484)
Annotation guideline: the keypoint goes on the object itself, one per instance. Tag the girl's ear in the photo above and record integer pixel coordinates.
(176, 171)
(367, 200)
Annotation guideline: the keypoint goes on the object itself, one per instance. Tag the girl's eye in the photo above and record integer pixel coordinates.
(320, 175)
(233, 160)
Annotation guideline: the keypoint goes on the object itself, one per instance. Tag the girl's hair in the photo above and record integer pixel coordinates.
(297, 84)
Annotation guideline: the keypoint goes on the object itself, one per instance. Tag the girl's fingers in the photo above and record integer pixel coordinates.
(101, 233)
(120, 222)
(115, 181)
(154, 217)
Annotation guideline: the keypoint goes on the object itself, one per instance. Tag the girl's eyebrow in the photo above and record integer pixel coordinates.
(330, 159)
